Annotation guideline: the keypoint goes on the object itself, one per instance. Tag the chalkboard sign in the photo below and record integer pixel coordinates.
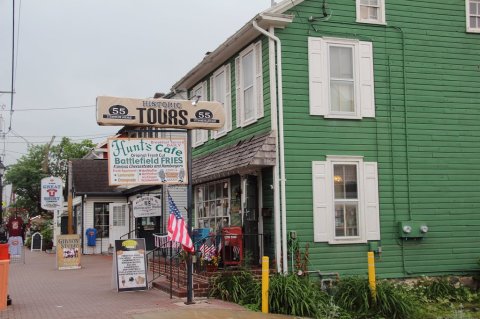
(37, 239)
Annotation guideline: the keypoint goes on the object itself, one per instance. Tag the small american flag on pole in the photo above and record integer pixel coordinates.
(207, 250)
(176, 227)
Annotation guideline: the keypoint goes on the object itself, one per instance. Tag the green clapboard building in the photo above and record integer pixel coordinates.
(352, 126)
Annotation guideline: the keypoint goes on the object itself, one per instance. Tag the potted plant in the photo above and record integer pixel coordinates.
(210, 261)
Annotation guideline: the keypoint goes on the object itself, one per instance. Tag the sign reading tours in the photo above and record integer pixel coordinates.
(51, 193)
(131, 273)
(68, 252)
(147, 206)
(159, 113)
(138, 161)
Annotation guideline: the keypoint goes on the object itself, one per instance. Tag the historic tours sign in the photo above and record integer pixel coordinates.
(131, 273)
(139, 161)
(159, 113)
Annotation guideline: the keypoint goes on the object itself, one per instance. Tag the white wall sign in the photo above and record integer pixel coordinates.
(147, 206)
(154, 161)
(51, 193)
(159, 113)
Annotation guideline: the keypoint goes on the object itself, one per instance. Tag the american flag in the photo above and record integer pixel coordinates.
(176, 227)
(207, 250)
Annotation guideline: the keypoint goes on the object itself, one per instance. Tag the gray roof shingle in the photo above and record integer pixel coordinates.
(246, 155)
(91, 176)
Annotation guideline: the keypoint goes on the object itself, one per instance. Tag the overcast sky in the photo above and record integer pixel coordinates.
(71, 51)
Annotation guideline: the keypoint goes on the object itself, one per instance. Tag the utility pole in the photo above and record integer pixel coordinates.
(45, 158)
(70, 199)
(2, 170)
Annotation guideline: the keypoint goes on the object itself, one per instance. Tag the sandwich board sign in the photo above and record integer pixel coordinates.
(130, 265)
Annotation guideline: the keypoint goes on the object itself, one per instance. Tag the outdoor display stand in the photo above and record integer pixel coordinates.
(198, 234)
(4, 267)
(233, 245)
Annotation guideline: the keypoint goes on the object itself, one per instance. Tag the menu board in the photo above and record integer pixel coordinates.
(131, 272)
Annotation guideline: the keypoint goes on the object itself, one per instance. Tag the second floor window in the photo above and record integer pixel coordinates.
(249, 85)
(371, 11)
(341, 78)
(199, 136)
(473, 15)
(220, 84)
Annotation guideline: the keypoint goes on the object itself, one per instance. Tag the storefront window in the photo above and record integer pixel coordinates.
(212, 205)
(101, 219)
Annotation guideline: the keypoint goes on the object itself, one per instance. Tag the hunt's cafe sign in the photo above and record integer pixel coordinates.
(153, 161)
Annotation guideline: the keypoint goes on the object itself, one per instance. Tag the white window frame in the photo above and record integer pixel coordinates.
(256, 50)
(469, 15)
(201, 207)
(319, 77)
(227, 97)
(199, 137)
(381, 13)
(324, 201)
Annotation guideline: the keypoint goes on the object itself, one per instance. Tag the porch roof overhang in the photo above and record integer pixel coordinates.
(245, 156)
(266, 19)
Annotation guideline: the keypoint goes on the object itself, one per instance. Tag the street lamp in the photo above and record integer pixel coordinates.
(2, 170)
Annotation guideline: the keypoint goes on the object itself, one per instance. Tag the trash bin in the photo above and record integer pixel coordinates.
(4, 255)
(4, 266)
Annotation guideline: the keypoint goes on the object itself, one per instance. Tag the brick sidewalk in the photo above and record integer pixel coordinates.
(40, 291)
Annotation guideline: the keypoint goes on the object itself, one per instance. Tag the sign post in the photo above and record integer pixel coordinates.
(152, 161)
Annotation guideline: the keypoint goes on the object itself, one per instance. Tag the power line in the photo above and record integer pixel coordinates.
(13, 66)
(45, 142)
(69, 136)
(18, 36)
(21, 153)
(52, 108)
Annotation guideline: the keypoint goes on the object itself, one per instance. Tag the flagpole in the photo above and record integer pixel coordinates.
(189, 217)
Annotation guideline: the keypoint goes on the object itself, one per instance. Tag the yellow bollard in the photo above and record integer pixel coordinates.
(371, 274)
(265, 278)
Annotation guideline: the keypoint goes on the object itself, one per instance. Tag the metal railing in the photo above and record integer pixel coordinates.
(213, 254)
(127, 234)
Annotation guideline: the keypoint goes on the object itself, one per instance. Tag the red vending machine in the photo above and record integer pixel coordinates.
(232, 245)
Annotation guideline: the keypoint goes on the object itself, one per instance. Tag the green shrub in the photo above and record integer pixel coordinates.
(442, 289)
(28, 242)
(294, 295)
(396, 301)
(240, 288)
(289, 295)
(392, 301)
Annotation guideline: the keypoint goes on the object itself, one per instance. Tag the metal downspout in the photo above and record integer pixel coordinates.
(84, 197)
(276, 173)
(281, 147)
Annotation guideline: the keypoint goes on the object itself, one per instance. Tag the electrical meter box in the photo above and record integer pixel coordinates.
(412, 229)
